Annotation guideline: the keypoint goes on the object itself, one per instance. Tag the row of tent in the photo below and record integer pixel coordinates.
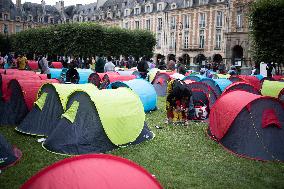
(99, 120)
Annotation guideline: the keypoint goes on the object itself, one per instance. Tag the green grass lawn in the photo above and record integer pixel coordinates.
(180, 157)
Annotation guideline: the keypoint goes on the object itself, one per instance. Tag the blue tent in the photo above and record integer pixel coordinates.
(55, 73)
(223, 83)
(143, 89)
(260, 77)
(83, 73)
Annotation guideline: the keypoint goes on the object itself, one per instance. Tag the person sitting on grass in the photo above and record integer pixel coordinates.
(72, 75)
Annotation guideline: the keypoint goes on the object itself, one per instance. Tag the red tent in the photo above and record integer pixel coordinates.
(248, 79)
(33, 64)
(249, 125)
(108, 73)
(57, 65)
(278, 77)
(93, 171)
(241, 86)
(5, 79)
(16, 72)
(114, 78)
(29, 89)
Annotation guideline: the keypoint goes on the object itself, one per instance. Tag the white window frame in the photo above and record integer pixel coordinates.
(148, 24)
(202, 20)
(186, 21)
(173, 23)
(172, 40)
(160, 24)
(239, 19)
(137, 24)
(218, 39)
(159, 40)
(219, 19)
(201, 39)
(186, 39)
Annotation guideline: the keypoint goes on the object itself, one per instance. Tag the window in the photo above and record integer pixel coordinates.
(188, 3)
(203, 2)
(109, 15)
(148, 9)
(218, 39)
(186, 21)
(201, 39)
(137, 11)
(126, 13)
(126, 25)
(160, 7)
(51, 20)
(239, 19)
(5, 29)
(160, 24)
(219, 19)
(18, 19)
(148, 24)
(159, 40)
(173, 23)
(173, 6)
(185, 39)
(30, 18)
(202, 20)
(137, 24)
(18, 28)
(172, 40)
(5, 16)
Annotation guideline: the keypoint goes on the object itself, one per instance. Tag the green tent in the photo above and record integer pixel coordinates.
(50, 105)
(99, 121)
(272, 88)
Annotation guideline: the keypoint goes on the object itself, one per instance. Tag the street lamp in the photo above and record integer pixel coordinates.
(179, 29)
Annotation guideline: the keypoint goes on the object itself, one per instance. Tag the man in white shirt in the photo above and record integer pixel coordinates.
(109, 66)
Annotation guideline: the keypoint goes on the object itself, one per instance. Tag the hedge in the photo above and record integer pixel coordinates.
(84, 39)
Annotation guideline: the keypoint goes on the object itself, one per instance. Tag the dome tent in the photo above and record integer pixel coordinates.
(213, 84)
(249, 125)
(254, 81)
(160, 83)
(222, 83)
(22, 94)
(143, 89)
(272, 88)
(93, 171)
(99, 121)
(8, 155)
(243, 87)
(48, 108)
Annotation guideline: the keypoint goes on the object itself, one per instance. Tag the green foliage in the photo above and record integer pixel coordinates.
(180, 157)
(5, 44)
(85, 39)
(267, 18)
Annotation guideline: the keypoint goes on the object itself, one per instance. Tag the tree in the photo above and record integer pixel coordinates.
(267, 19)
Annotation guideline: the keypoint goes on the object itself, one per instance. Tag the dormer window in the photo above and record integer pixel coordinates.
(126, 12)
(137, 10)
(115, 7)
(5, 16)
(188, 3)
(148, 9)
(160, 6)
(30, 18)
(109, 15)
(18, 19)
(173, 6)
(52, 20)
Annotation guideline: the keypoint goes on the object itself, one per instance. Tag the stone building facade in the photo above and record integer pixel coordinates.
(197, 30)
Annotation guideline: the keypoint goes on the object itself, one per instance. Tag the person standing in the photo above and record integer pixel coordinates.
(100, 64)
(269, 69)
(44, 67)
(142, 67)
(1, 62)
(109, 66)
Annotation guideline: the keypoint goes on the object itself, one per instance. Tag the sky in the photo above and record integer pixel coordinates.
(66, 2)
